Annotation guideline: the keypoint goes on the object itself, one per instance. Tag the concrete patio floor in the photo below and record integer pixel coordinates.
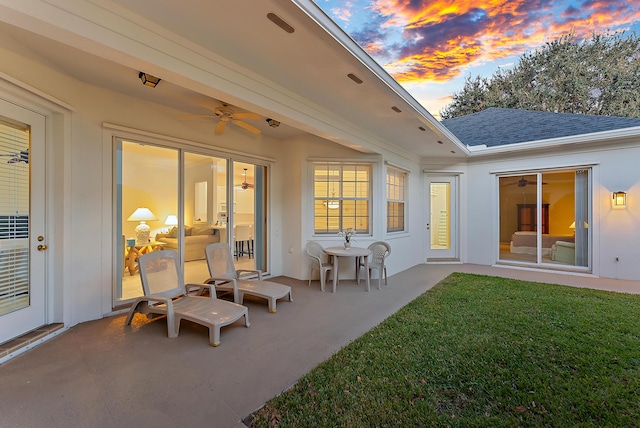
(104, 374)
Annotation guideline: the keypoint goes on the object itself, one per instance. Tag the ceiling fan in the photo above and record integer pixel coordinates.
(244, 184)
(21, 156)
(522, 182)
(227, 114)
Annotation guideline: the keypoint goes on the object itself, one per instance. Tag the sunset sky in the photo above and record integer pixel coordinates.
(430, 46)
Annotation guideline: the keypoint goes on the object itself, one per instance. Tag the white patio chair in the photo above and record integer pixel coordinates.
(225, 277)
(165, 293)
(319, 262)
(380, 250)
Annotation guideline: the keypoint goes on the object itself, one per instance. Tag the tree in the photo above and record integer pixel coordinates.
(598, 76)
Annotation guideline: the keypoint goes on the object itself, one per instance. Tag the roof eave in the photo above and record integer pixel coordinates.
(335, 31)
(539, 145)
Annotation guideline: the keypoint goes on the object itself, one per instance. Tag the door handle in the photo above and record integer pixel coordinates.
(41, 247)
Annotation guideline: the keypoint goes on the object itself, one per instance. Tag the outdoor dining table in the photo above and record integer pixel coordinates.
(355, 252)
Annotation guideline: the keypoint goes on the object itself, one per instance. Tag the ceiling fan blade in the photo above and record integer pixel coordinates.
(246, 126)
(246, 115)
(220, 127)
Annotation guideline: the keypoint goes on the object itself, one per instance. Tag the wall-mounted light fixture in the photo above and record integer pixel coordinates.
(619, 199)
(149, 80)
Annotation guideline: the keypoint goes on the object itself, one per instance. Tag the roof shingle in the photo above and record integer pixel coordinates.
(501, 126)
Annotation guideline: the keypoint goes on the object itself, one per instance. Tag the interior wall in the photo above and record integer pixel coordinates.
(149, 184)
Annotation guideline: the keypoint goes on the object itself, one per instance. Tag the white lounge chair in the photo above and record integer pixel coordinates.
(166, 294)
(225, 277)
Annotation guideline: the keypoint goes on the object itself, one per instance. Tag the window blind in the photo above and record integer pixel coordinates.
(14, 217)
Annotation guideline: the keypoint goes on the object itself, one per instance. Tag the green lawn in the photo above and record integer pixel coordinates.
(481, 351)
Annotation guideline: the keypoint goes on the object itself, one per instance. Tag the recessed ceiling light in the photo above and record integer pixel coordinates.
(280, 22)
(422, 128)
(396, 109)
(354, 78)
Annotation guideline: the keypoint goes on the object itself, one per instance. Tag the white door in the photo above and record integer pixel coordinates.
(442, 224)
(22, 219)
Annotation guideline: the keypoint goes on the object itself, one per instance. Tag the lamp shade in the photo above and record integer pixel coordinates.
(142, 214)
(171, 220)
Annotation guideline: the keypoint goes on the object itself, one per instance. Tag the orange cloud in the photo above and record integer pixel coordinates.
(440, 39)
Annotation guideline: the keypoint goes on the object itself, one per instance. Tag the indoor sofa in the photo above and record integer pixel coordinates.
(196, 238)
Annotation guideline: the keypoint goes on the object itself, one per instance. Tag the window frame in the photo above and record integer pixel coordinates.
(403, 175)
(337, 194)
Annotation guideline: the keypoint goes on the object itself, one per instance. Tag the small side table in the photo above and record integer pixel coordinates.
(355, 252)
(133, 252)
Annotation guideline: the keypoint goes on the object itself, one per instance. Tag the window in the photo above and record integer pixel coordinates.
(342, 197)
(396, 182)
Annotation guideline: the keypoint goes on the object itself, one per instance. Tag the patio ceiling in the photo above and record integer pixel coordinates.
(299, 78)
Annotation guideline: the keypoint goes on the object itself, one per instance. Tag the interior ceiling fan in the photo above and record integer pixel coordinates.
(244, 184)
(227, 114)
(523, 182)
(21, 156)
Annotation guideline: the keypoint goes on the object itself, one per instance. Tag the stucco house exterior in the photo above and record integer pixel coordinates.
(316, 138)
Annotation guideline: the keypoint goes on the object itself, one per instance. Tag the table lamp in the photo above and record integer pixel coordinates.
(171, 220)
(142, 215)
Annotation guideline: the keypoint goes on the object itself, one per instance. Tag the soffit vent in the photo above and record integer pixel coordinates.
(396, 109)
(422, 128)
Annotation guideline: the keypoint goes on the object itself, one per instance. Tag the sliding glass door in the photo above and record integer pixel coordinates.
(544, 218)
(176, 199)
(249, 215)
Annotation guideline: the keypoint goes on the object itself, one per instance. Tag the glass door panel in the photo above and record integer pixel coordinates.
(443, 215)
(519, 218)
(440, 216)
(147, 209)
(544, 218)
(249, 220)
(14, 218)
(205, 211)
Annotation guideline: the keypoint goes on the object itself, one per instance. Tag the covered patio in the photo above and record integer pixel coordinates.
(103, 374)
